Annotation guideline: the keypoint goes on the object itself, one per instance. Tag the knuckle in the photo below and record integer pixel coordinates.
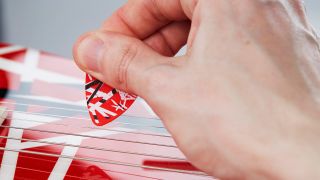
(126, 57)
(115, 63)
(272, 5)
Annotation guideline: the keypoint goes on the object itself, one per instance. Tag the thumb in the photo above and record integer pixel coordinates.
(120, 61)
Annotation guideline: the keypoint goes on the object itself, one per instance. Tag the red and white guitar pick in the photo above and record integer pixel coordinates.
(105, 103)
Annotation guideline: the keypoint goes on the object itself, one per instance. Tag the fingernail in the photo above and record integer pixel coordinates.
(90, 51)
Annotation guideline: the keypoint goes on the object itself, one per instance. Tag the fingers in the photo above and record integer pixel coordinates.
(120, 61)
(298, 11)
(170, 39)
(142, 18)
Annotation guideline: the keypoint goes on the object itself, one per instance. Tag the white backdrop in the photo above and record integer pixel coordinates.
(54, 25)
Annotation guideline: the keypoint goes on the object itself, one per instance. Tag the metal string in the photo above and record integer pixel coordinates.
(78, 177)
(96, 128)
(31, 169)
(106, 162)
(50, 107)
(70, 109)
(90, 159)
(82, 165)
(94, 148)
(88, 136)
(70, 117)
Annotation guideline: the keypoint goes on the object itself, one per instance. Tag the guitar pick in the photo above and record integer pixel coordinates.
(105, 103)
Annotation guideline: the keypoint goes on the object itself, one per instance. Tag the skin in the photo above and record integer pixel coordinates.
(243, 102)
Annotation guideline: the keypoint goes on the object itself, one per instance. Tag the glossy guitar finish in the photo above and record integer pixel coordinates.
(48, 133)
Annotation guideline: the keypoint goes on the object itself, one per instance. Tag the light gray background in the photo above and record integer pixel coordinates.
(54, 25)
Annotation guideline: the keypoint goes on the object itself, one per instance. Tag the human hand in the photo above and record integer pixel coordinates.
(243, 103)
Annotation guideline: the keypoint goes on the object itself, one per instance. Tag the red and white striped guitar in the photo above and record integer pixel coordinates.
(48, 133)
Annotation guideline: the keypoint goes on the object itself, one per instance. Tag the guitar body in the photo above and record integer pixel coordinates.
(48, 133)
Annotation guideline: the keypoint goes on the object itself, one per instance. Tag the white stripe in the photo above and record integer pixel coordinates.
(44, 75)
(11, 158)
(62, 165)
(105, 96)
(37, 120)
(10, 49)
(30, 63)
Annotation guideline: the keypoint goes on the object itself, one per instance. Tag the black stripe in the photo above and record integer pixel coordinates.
(114, 91)
(121, 106)
(102, 101)
(92, 83)
(95, 92)
(3, 93)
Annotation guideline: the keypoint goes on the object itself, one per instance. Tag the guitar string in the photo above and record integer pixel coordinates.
(92, 159)
(58, 132)
(106, 170)
(73, 134)
(73, 165)
(89, 159)
(82, 165)
(93, 148)
(97, 159)
(26, 139)
(39, 150)
(51, 107)
(86, 166)
(86, 127)
(31, 169)
(60, 116)
(72, 110)
(83, 119)
(89, 136)
(132, 132)
(106, 162)
(101, 128)
(142, 133)
(53, 132)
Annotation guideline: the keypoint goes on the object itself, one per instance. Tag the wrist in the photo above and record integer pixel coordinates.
(299, 157)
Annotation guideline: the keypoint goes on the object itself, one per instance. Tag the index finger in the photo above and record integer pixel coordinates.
(142, 18)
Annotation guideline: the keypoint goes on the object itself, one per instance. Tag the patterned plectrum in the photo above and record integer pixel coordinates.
(105, 103)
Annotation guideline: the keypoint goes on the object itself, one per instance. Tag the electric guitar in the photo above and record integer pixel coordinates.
(48, 134)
